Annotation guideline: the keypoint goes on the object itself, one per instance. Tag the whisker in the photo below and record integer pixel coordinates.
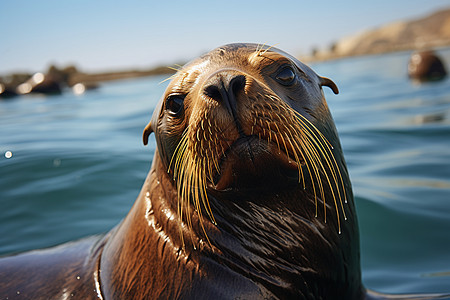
(268, 49)
(331, 163)
(170, 77)
(196, 158)
(317, 153)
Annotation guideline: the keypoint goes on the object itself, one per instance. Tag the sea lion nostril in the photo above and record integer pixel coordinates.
(223, 87)
(213, 91)
(237, 83)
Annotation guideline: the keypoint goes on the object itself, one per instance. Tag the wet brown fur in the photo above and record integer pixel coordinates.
(189, 236)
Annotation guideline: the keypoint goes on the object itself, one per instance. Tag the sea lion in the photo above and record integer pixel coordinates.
(426, 66)
(248, 197)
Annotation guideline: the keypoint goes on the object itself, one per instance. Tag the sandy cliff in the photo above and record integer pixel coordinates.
(430, 31)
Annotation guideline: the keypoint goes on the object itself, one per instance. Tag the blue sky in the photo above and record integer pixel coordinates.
(99, 35)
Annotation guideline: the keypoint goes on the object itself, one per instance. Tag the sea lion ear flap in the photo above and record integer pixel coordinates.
(152, 126)
(147, 131)
(329, 83)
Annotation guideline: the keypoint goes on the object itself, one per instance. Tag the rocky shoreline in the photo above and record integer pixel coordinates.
(54, 80)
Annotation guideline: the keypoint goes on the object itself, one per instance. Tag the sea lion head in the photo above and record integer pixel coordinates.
(426, 66)
(246, 117)
(246, 136)
(236, 91)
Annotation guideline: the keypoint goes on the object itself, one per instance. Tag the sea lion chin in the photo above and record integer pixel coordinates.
(255, 166)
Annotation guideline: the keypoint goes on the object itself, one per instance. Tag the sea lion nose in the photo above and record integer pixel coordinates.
(224, 88)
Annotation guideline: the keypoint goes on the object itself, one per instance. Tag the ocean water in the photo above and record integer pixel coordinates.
(78, 164)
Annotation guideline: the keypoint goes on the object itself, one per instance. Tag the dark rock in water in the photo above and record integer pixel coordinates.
(9, 84)
(40, 83)
(55, 79)
(49, 83)
(426, 66)
(6, 91)
(81, 87)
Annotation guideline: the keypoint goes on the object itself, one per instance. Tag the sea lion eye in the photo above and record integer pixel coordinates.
(286, 76)
(175, 104)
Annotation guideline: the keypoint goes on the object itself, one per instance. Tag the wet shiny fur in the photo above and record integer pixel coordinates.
(233, 207)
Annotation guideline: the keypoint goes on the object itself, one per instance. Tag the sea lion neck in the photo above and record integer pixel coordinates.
(283, 246)
(269, 241)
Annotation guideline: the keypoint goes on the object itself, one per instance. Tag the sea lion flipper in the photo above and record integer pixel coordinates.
(329, 83)
(147, 131)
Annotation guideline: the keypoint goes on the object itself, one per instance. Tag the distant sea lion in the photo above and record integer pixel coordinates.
(248, 197)
(426, 66)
